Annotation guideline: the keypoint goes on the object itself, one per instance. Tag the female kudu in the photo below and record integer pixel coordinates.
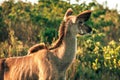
(45, 63)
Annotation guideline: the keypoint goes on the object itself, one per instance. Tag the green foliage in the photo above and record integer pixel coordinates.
(98, 57)
(47, 35)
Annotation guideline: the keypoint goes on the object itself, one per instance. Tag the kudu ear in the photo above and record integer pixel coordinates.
(68, 13)
(84, 16)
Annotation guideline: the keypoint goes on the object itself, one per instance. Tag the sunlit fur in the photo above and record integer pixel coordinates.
(42, 62)
(36, 47)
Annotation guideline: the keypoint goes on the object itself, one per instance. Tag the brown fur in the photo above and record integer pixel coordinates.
(47, 64)
(37, 47)
(2, 69)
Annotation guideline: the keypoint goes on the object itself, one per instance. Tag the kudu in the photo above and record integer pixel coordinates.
(44, 63)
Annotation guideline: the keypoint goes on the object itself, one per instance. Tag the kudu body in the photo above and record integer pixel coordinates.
(45, 63)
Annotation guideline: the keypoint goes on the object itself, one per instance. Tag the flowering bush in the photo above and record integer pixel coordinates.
(96, 61)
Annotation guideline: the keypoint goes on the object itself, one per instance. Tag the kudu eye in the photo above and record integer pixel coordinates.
(80, 23)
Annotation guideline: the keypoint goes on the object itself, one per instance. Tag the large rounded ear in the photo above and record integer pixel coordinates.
(84, 16)
(68, 13)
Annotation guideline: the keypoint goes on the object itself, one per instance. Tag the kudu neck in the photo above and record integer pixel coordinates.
(65, 36)
(67, 42)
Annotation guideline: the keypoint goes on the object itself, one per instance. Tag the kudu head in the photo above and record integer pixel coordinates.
(76, 23)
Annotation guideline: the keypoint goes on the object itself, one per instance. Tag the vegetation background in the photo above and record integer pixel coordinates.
(98, 57)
